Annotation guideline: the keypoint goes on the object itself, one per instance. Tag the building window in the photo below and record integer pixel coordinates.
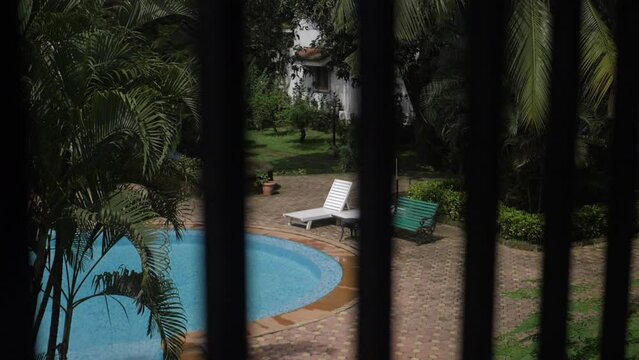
(320, 78)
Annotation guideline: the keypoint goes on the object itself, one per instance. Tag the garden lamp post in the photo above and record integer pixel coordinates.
(334, 125)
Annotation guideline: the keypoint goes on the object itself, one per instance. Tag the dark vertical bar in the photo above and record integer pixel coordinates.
(623, 168)
(558, 182)
(486, 22)
(16, 329)
(376, 141)
(223, 153)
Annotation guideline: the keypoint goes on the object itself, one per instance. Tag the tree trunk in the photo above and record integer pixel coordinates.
(302, 135)
(42, 238)
(43, 305)
(65, 231)
(68, 318)
(334, 129)
(56, 273)
(274, 123)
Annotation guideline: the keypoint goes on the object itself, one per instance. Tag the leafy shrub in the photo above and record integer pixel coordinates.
(181, 175)
(260, 178)
(192, 171)
(265, 101)
(256, 174)
(520, 225)
(297, 115)
(299, 171)
(347, 139)
(452, 184)
(590, 222)
(451, 202)
(320, 121)
(329, 106)
(347, 159)
(265, 106)
(429, 190)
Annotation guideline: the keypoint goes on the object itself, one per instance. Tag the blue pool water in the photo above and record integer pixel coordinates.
(281, 276)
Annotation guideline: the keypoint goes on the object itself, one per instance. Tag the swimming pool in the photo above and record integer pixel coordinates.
(281, 276)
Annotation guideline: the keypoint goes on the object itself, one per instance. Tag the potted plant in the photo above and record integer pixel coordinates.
(264, 180)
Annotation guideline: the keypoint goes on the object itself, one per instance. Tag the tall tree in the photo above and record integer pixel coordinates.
(427, 31)
(528, 50)
(106, 113)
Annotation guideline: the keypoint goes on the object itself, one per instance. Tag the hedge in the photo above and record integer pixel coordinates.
(444, 192)
(520, 225)
(590, 221)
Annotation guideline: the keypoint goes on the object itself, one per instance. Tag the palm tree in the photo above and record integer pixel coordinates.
(106, 112)
(431, 30)
(528, 50)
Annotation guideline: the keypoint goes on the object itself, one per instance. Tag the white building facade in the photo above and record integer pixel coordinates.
(310, 72)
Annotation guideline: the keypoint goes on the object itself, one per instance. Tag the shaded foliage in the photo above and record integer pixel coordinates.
(430, 57)
(106, 112)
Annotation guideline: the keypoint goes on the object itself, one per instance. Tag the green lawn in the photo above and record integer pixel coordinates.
(583, 327)
(288, 155)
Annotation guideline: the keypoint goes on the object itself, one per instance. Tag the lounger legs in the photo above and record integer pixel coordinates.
(308, 223)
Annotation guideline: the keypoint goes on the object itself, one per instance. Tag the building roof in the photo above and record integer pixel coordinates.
(309, 53)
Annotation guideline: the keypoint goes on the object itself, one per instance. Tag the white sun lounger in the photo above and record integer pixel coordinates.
(335, 202)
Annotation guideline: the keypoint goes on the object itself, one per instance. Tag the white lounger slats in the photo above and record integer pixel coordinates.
(334, 203)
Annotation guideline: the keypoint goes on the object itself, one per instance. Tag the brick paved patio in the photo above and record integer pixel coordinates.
(427, 280)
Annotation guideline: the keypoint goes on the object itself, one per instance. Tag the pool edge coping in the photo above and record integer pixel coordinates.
(341, 298)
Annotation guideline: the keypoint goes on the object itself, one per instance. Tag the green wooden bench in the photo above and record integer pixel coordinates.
(416, 216)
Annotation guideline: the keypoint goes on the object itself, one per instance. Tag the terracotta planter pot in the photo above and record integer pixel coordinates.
(267, 188)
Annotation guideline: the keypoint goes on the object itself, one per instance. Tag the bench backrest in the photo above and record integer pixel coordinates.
(410, 212)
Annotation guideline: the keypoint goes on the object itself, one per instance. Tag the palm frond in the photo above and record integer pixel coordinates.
(529, 52)
(414, 17)
(131, 207)
(136, 13)
(105, 51)
(410, 19)
(440, 102)
(352, 61)
(59, 5)
(128, 211)
(158, 295)
(411, 16)
(24, 14)
(116, 119)
(345, 15)
(598, 56)
(180, 85)
(62, 72)
(80, 254)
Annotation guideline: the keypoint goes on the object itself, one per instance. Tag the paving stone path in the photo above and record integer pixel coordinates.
(427, 280)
